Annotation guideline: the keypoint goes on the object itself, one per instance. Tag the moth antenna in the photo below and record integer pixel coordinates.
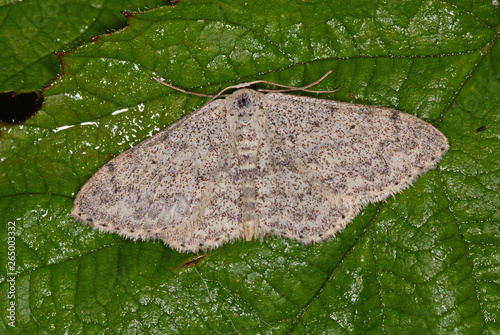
(183, 90)
(303, 88)
(242, 85)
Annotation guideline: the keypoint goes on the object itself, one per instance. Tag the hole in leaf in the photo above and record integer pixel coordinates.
(18, 107)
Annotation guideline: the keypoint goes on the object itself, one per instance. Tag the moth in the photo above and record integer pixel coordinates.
(256, 164)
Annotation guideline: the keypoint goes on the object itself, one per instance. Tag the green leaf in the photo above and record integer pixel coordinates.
(32, 31)
(425, 261)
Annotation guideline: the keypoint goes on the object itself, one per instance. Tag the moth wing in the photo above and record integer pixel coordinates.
(167, 187)
(363, 152)
(291, 202)
(337, 157)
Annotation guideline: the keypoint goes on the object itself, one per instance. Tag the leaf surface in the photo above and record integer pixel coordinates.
(425, 261)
